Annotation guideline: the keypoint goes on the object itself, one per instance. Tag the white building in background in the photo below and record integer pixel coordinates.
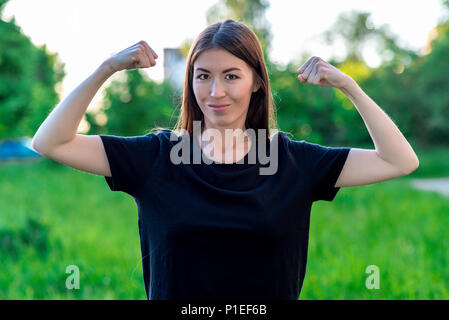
(174, 67)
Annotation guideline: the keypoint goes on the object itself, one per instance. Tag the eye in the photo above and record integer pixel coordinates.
(199, 77)
(233, 76)
(203, 74)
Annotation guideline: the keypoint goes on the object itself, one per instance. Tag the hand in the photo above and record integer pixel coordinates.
(139, 55)
(319, 72)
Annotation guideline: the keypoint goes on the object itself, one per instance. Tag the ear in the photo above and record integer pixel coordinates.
(256, 87)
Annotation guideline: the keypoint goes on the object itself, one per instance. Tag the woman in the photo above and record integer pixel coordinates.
(224, 230)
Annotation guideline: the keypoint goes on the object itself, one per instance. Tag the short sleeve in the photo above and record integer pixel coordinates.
(130, 160)
(325, 165)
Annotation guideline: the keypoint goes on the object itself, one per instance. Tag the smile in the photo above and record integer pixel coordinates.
(219, 107)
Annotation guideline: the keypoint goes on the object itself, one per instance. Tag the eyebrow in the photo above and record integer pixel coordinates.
(224, 71)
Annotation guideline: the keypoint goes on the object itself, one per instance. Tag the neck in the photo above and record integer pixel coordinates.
(230, 141)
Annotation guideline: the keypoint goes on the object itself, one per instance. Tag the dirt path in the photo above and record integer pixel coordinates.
(440, 185)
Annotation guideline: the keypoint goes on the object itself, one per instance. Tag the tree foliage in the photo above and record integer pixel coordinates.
(250, 12)
(134, 105)
(412, 88)
(28, 75)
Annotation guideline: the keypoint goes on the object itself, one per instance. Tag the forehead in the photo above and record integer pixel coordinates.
(219, 60)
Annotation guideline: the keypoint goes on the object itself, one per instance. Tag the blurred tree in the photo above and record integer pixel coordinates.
(304, 110)
(185, 47)
(325, 115)
(431, 81)
(249, 12)
(133, 105)
(28, 75)
(328, 116)
(355, 29)
(413, 89)
(387, 84)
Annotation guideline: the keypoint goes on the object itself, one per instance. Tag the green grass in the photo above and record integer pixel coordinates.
(81, 222)
(401, 230)
(53, 216)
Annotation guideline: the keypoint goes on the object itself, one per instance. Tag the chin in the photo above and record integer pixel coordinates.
(221, 123)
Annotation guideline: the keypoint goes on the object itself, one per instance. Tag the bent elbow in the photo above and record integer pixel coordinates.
(412, 168)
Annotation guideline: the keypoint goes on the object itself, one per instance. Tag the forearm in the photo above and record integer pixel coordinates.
(62, 123)
(389, 142)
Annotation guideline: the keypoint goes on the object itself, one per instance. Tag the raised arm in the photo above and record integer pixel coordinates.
(57, 139)
(393, 156)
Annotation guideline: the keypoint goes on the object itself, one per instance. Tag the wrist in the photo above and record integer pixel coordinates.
(107, 68)
(348, 85)
(351, 89)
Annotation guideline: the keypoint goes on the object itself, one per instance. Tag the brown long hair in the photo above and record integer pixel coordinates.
(242, 42)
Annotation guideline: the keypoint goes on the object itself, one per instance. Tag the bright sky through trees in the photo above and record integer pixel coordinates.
(84, 33)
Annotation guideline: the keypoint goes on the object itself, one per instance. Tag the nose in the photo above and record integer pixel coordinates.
(217, 89)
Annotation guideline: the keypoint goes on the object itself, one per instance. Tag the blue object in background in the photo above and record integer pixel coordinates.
(17, 149)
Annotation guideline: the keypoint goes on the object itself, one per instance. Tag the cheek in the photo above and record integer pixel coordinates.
(198, 92)
(241, 93)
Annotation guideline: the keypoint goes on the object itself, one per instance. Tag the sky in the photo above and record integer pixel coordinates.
(86, 32)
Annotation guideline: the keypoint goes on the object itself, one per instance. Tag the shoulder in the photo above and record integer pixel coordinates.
(302, 149)
(163, 134)
(289, 144)
(138, 143)
(163, 139)
(300, 145)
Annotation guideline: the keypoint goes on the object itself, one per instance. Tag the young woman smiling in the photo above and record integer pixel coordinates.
(223, 230)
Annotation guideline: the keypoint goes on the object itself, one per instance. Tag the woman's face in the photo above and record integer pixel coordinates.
(220, 78)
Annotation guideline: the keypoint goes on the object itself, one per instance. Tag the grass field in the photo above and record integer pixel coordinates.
(53, 216)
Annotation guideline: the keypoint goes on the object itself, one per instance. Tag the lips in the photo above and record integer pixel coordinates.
(217, 107)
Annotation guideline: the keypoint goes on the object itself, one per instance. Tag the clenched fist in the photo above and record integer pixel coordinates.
(139, 55)
(319, 72)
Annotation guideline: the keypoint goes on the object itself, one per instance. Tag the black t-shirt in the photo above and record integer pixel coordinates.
(222, 231)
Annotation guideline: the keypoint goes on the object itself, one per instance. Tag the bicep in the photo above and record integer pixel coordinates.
(83, 152)
(364, 166)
